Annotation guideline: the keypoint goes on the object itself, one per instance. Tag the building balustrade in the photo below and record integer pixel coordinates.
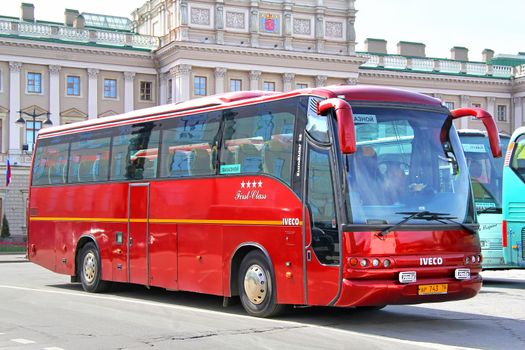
(78, 35)
(437, 65)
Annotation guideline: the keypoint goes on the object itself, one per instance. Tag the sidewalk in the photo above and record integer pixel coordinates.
(12, 258)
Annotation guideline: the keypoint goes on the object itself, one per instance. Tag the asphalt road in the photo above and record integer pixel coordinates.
(42, 310)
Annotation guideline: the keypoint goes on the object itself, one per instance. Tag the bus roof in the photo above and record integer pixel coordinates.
(348, 92)
(519, 131)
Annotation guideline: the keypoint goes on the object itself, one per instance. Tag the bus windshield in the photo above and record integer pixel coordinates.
(485, 171)
(406, 161)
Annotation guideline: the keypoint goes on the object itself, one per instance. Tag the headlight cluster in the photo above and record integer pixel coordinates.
(370, 262)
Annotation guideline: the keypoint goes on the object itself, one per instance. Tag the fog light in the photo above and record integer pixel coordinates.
(386, 263)
(467, 260)
(375, 262)
(364, 262)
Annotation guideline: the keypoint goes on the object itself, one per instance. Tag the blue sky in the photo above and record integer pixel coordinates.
(475, 24)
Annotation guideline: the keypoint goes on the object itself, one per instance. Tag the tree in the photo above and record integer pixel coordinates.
(5, 228)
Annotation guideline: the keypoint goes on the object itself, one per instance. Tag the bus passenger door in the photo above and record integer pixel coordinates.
(138, 233)
(322, 236)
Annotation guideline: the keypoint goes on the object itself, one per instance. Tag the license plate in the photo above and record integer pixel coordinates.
(428, 289)
(462, 274)
(408, 277)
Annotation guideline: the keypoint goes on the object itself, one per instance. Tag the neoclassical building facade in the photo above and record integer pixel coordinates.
(168, 51)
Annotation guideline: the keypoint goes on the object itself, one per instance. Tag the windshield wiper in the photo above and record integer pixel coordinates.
(489, 210)
(425, 215)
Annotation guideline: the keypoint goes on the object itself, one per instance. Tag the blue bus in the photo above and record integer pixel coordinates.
(486, 175)
(513, 231)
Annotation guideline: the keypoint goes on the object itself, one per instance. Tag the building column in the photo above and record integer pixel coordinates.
(92, 93)
(320, 80)
(255, 75)
(465, 102)
(163, 88)
(491, 106)
(182, 88)
(518, 112)
(14, 107)
(350, 28)
(288, 79)
(54, 94)
(129, 78)
(173, 76)
(220, 72)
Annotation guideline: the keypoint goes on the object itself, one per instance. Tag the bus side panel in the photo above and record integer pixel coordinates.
(60, 216)
(42, 244)
(283, 245)
(200, 263)
(163, 255)
(514, 214)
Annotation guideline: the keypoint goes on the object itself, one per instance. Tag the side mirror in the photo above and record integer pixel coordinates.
(488, 122)
(345, 122)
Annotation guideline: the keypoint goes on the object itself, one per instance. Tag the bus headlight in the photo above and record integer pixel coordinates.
(375, 262)
(467, 260)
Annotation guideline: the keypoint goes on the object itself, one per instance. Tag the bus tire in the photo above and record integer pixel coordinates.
(257, 286)
(90, 270)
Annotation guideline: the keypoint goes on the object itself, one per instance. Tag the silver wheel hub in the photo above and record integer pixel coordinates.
(90, 267)
(255, 284)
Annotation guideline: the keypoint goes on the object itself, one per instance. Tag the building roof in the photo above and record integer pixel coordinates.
(508, 60)
(107, 22)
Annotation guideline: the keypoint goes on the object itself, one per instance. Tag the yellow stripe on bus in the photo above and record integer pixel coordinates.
(164, 221)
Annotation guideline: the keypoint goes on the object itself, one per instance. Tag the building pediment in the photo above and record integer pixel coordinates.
(73, 113)
(107, 114)
(35, 110)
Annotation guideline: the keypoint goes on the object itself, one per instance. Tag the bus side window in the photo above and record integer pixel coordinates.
(187, 145)
(50, 163)
(517, 162)
(259, 140)
(88, 160)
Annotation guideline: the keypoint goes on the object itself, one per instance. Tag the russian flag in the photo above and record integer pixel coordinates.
(7, 173)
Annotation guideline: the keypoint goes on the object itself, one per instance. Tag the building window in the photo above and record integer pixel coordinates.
(31, 131)
(502, 113)
(269, 86)
(449, 105)
(34, 83)
(170, 91)
(73, 85)
(145, 91)
(235, 85)
(301, 86)
(199, 86)
(110, 88)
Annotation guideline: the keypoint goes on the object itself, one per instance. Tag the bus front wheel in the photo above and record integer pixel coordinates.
(257, 287)
(90, 271)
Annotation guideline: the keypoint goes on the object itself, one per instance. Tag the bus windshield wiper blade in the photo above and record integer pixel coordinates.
(489, 210)
(463, 226)
(423, 215)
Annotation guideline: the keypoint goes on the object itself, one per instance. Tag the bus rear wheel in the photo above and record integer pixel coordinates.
(90, 270)
(257, 287)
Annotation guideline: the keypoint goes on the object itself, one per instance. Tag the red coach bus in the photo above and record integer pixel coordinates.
(339, 196)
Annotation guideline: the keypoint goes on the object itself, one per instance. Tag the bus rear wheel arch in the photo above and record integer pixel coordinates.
(89, 269)
(256, 286)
